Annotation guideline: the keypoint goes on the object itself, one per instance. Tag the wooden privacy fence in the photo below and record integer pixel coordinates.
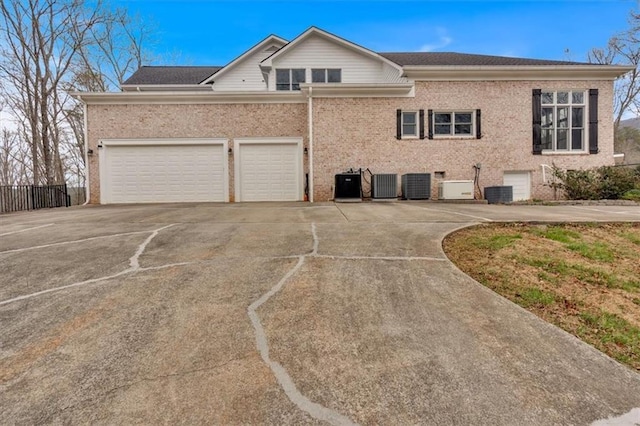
(31, 197)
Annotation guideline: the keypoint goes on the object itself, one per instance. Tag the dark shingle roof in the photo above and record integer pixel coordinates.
(464, 59)
(170, 75)
(195, 75)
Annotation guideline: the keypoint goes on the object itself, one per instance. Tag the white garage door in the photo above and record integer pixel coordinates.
(268, 170)
(164, 172)
(521, 183)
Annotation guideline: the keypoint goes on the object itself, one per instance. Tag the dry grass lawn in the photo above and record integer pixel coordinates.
(584, 278)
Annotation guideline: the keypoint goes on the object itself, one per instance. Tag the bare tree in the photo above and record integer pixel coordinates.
(14, 159)
(40, 41)
(623, 48)
(49, 48)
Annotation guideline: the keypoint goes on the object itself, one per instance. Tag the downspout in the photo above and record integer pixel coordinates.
(310, 121)
(87, 183)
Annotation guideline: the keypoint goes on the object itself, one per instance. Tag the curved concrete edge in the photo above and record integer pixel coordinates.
(632, 417)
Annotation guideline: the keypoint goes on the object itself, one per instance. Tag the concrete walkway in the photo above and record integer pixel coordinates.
(282, 313)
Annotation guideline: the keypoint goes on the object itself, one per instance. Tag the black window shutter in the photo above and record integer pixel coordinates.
(421, 123)
(593, 121)
(478, 126)
(399, 124)
(537, 121)
(430, 121)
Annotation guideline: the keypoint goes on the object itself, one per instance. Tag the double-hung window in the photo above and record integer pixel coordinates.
(453, 123)
(563, 121)
(326, 75)
(289, 78)
(409, 124)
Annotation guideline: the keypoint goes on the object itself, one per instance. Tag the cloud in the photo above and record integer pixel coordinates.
(443, 40)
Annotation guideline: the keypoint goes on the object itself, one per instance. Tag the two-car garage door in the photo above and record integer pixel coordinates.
(190, 170)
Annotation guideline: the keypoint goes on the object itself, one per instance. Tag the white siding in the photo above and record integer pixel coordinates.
(245, 75)
(392, 74)
(319, 52)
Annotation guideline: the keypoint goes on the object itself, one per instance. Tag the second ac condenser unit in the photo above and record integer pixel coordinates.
(455, 190)
(416, 186)
(384, 186)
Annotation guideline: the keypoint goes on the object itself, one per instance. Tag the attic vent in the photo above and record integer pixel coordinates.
(272, 49)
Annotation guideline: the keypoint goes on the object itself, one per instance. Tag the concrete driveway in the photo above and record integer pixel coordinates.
(282, 314)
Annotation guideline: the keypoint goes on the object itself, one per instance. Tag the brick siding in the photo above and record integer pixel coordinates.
(361, 132)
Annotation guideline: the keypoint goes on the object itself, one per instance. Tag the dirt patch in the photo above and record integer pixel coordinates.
(584, 278)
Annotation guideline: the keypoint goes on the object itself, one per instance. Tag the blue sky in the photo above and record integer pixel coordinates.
(201, 32)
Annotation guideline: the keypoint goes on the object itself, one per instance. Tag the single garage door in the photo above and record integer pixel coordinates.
(521, 183)
(163, 171)
(268, 170)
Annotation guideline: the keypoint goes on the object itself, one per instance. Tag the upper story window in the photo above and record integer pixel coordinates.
(289, 79)
(562, 121)
(409, 124)
(453, 123)
(326, 75)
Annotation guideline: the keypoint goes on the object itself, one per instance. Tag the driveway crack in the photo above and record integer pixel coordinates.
(134, 265)
(314, 409)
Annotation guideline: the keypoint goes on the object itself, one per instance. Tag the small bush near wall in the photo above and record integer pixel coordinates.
(602, 183)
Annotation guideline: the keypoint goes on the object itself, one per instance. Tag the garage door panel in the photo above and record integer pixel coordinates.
(165, 173)
(269, 172)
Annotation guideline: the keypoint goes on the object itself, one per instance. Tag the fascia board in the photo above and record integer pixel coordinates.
(267, 63)
(269, 40)
(164, 87)
(181, 97)
(360, 90)
(538, 72)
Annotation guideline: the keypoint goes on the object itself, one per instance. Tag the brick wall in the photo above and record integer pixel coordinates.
(362, 133)
(190, 121)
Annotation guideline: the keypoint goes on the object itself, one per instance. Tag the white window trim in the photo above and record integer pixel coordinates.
(326, 75)
(471, 135)
(417, 115)
(290, 70)
(585, 121)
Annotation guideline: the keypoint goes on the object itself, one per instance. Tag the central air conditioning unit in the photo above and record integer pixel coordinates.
(416, 186)
(498, 194)
(455, 190)
(384, 186)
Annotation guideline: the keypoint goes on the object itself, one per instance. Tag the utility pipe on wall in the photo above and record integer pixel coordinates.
(85, 132)
(310, 158)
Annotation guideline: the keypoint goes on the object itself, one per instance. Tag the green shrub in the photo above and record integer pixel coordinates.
(616, 181)
(633, 195)
(602, 183)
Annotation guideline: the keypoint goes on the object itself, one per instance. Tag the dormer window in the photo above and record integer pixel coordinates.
(289, 79)
(326, 75)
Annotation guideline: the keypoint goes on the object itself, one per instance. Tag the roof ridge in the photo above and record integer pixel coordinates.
(181, 66)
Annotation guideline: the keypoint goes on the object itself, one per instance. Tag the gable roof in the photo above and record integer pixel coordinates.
(271, 39)
(170, 75)
(465, 59)
(407, 62)
(266, 63)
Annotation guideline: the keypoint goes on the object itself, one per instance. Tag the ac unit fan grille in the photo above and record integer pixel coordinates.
(384, 186)
(416, 186)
